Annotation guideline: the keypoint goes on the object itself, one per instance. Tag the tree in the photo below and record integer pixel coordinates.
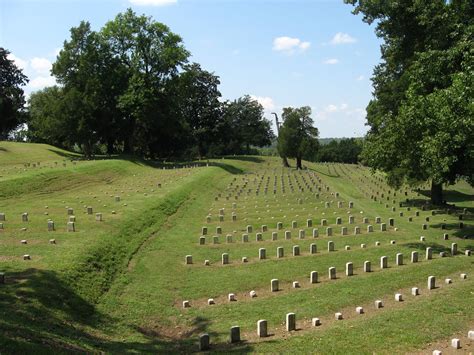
(12, 98)
(421, 116)
(298, 136)
(195, 97)
(245, 117)
(152, 55)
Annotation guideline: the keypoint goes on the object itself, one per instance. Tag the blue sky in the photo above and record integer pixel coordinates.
(282, 52)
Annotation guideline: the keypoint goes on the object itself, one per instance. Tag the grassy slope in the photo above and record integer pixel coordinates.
(117, 285)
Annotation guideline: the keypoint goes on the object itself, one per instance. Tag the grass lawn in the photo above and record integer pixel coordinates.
(118, 285)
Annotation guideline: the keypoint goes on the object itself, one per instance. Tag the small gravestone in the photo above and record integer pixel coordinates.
(280, 252)
(431, 282)
(204, 342)
(24, 217)
(398, 297)
(383, 262)
(274, 236)
(290, 322)
(262, 253)
(89, 210)
(296, 250)
(378, 304)
(338, 316)
(50, 226)
(2, 217)
(71, 227)
(429, 253)
(414, 256)
(370, 228)
(312, 248)
(98, 217)
(225, 258)
(399, 259)
(456, 343)
(349, 269)
(367, 266)
(329, 231)
(454, 249)
(235, 334)
(249, 229)
(313, 277)
(332, 273)
(315, 233)
(330, 245)
(359, 310)
(231, 297)
(188, 259)
(287, 235)
(262, 330)
(415, 291)
(315, 322)
(274, 285)
(204, 231)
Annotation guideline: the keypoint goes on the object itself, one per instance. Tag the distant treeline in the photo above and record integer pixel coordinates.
(340, 150)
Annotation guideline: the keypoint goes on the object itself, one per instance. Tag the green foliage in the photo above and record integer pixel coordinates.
(298, 137)
(12, 98)
(421, 118)
(246, 126)
(345, 150)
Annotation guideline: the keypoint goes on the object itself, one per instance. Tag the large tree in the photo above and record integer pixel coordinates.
(298, 137)
(248, 125)
(194, 94)
(421, 116)
(12, 98)
(152, 55)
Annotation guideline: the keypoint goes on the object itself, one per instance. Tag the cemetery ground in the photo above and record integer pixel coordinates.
(118, 255)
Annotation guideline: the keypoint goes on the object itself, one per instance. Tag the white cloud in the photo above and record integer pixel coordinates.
(41, 81)
(342, 38)
(41, 65)
(289, 44)
(360, 78)
(331, 61)
(20, 63)
(153, 2)
(265, 101)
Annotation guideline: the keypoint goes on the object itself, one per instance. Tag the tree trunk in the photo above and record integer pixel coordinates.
(436, 193)
(285, 162)
(298, 163)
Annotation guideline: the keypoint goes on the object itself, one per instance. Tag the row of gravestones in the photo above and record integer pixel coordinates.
(290, 320)
(262, 254)
(332, 274)
(301, 234)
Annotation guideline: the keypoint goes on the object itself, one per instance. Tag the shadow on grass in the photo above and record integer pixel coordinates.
(436, 248)
(42, 314)
(67, 155)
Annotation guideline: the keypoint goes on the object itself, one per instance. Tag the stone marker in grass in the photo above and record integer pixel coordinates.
(235, 334)
(431, 282)
(290, 322)
(204, 342)
(274, 285)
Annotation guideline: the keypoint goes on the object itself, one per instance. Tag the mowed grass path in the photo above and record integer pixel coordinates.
(118, 285)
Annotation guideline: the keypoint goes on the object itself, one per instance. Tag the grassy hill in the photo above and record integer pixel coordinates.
(118, 284)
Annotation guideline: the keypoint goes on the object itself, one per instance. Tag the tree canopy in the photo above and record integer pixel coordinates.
(129, 88)
(298, 138)
(421, 116)
(12, 98)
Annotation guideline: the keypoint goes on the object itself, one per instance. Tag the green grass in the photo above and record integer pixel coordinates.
(118, 285)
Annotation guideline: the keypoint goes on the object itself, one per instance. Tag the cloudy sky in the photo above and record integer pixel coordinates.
(282, 52)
